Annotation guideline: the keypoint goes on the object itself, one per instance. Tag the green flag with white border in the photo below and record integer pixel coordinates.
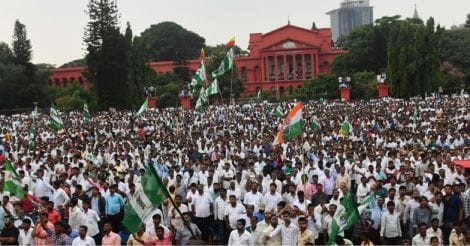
(225, 66)
(12, 181)
(148, 195)
(213, 88)
(144, 107)
(55, 119)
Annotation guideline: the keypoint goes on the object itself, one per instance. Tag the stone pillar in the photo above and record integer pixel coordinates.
(152, 102)
(303, 67)
(317, 67)
(345, 93)
(312, 66)
(383, 90)
(276, 70)
(285, 67)
(262, 69)
(185, 101)
(294, 66)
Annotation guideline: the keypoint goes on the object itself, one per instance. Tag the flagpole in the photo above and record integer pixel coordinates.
(231, 84)
(167, 194)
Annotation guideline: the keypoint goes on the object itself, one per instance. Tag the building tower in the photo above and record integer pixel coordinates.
(351, 14)
(415, 14)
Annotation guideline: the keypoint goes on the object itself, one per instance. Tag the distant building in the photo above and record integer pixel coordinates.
(279, 60)
(351, 14)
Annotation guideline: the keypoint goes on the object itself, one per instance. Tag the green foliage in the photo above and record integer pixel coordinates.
(314, 26)
(168, 41)
(324, 86)
(22, 82)
(363, 85)
(413, 61)
(454, 48)
(21, 44)
(75, 63)
(167, 100)
(367, 48)
(467, 22)
(73, 97)
(108, 56)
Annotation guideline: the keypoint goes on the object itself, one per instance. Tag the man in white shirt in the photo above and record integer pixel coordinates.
(271, 198)
(289, 231)
(220, 204)
(75, 214)
(25, 237)
(390, 230)
(91, 219)
(202, 208)
(421, 239)
(253, 197)
(233, 212)
(240, 236)
(42, 188)
(83, 239)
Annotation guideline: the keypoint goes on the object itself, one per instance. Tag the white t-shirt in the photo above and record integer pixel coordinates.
(234, 213)
(201, 205)
(87, 241)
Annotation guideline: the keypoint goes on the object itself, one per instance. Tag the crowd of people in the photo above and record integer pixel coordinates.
(229, 183)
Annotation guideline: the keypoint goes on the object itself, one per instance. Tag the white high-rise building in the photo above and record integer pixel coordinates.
(351, 14)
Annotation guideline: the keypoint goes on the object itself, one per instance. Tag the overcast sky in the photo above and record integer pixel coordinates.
(55, 27)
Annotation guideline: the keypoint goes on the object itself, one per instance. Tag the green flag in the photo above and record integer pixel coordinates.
(148, 195)
(202, 100)
(279, 111)
(258, 95)
(144, 107)
(316, 127)
(55, 119)
(352, 215)
(86, 114)
(12, 181)
(225, 65)
(213, 88)
(346, 127)
(31, 136)
(199, 77)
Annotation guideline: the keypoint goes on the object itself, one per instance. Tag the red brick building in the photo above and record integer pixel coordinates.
(278, 60)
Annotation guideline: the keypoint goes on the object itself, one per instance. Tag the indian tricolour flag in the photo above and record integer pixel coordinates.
(12, 181)
(149, 194)
(292, 125)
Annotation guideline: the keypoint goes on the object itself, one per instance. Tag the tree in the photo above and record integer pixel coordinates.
(21, 44)
(367, 47)
(324, 86)
(314, 26)
(22, 84)
(107, 55)
(413, 61)
(453, 48)
(467, 22)
(75, 63)
(168, 41)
